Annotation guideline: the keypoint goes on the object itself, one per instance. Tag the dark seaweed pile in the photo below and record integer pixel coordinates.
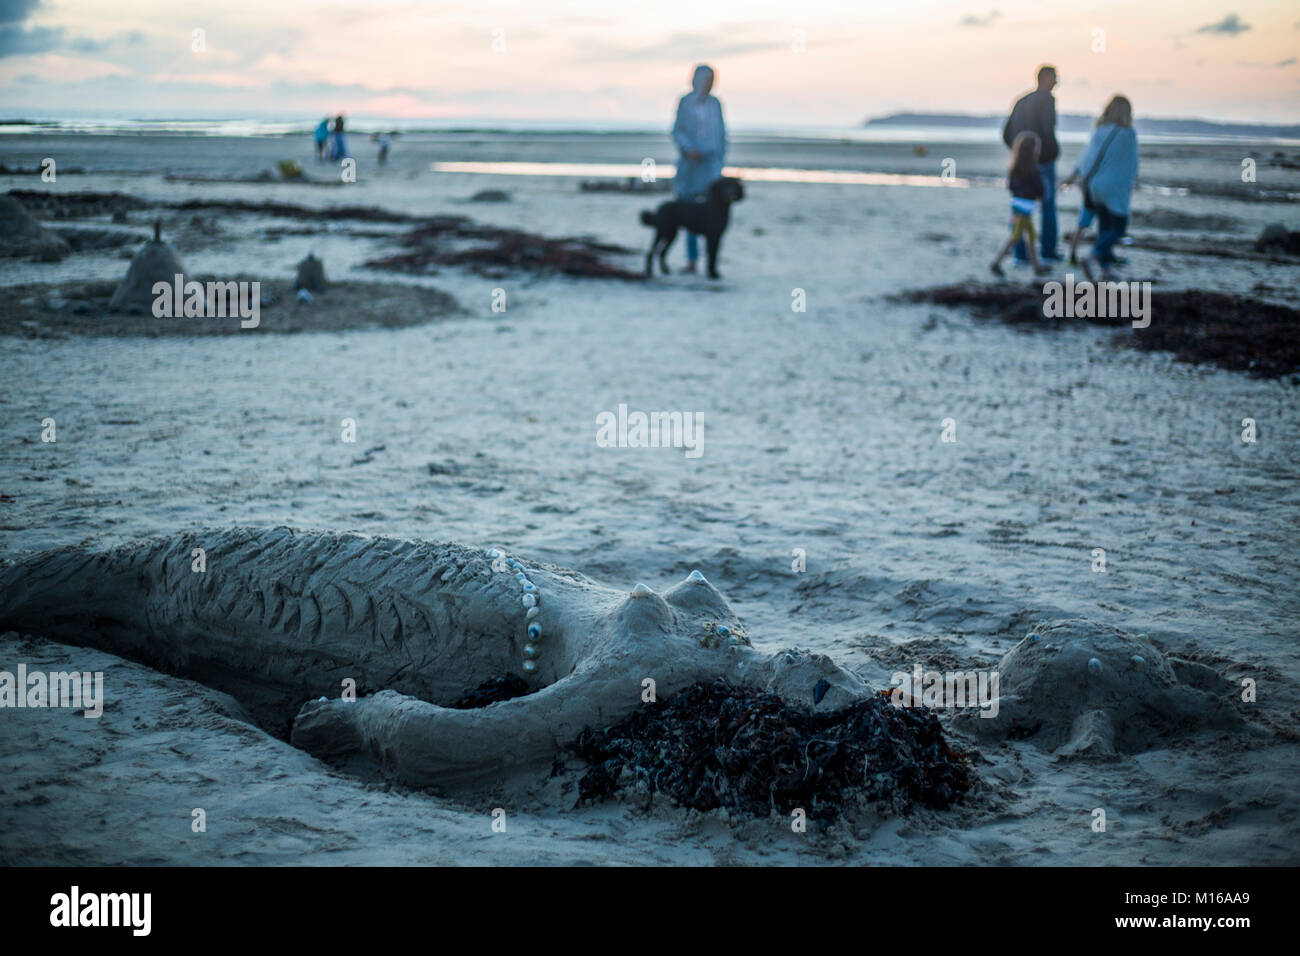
(492, 691)
(494, 252)
(1230, 331)
(716, 745)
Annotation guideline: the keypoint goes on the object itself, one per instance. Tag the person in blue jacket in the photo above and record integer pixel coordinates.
(701, 138)
(321, 136)
(1108, 170)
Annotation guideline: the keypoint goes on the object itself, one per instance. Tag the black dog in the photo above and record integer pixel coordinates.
(708, 219)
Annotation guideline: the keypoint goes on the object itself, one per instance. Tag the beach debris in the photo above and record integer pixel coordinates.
(289, 169)
(80, 204)
(1231, 331)
(86, 238)
(496, 253)
(311, 275)
(1133, 698)
(368, 455)
(21, 235)
(493, 691)
(154, 262)
(1276, 237)
(284, 210)
(1177, 220)
(490, 195)
(716, 745)
(632, 184)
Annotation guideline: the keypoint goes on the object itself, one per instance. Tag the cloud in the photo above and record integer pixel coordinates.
(16, 11)
(1289, 61)
(970, 20)
(1230, 25)
(18, 39)
(680, 46)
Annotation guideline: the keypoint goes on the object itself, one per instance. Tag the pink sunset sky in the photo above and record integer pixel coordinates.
(815, 62)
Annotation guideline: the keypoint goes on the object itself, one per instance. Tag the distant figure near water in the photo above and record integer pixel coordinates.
(338, 144)
(1036, 113)
(1109, 169)
(322, 136)
(701, 138)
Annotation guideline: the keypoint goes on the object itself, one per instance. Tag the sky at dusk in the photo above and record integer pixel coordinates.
(814, 62)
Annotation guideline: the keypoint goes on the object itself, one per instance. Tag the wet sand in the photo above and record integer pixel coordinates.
(822, 433)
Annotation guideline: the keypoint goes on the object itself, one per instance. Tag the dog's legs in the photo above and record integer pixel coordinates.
(650, 256)
(669, 237)
(714, 242)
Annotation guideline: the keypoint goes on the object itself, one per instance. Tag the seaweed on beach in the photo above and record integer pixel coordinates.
(1230, 331)
(492, 692)
(716, 745)
(78, 204)
(87, 204)
(494, 252)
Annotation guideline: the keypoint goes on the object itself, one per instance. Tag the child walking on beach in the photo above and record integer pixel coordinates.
(1026, 185)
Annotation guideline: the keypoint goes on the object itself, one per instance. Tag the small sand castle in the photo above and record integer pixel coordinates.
(155, 262)
(21, 235)
(311, 275)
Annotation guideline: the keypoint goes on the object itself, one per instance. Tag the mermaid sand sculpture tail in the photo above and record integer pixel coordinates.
(277, 617)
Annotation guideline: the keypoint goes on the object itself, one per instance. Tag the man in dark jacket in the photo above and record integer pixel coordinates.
(1036, 112)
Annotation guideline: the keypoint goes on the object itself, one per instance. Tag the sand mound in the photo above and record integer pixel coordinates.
(81, 309)
(22, 235)
(1276, 237)
(1086, 689)
(155, 262)
(311, 275)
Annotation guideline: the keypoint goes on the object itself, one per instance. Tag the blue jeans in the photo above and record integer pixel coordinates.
(1047, 234)
(1109, 229)
(692, 247)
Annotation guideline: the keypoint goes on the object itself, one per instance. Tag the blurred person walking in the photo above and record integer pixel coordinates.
(701, 138)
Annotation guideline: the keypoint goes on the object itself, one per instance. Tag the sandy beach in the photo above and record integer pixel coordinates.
(475, 384)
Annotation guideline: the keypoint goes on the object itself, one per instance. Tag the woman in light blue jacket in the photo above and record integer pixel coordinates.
(701, 138)
(1109, 169)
